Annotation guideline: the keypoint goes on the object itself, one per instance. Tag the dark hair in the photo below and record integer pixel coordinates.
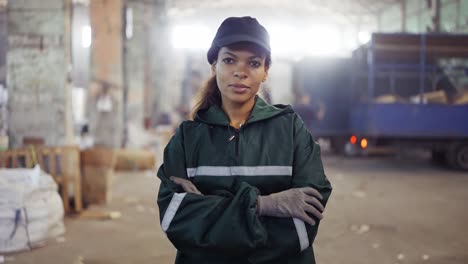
(209, 94)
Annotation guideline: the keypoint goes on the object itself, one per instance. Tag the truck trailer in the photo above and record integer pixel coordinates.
(406, 90)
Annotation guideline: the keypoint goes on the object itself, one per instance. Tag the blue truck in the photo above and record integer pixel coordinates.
(398, 89)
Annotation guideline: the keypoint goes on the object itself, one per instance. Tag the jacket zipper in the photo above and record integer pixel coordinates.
(237, 142)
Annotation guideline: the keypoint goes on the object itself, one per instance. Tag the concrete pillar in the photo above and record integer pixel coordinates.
(3, 52)
(403, 15)
(457, 23)
(3, 42)
(81, 53)
(379, 21)
(436, 16)
(160, 47)
(137, 56)
(38, 62)
(105, 95)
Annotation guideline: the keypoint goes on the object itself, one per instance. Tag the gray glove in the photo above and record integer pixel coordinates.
(295, 203)
(186, 185)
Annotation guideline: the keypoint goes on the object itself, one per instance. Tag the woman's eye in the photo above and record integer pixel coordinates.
(255, 64)
(228, 60)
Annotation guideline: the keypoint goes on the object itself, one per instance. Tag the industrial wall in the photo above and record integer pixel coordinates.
(420, 17)
(3, 43)
(37, 71)
(105, 94)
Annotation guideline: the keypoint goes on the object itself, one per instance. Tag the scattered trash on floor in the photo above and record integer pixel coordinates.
(115, 215)
(140, 208)
(60, 239)
(100, 215)
(401, 256)
(79, 260)
(359, 194)
(425, 257)
(131, 200)
(150, 174)
(360, 229)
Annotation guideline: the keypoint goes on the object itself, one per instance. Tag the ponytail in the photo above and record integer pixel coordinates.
(209, 95)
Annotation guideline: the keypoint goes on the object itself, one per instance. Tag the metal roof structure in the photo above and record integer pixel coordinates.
(341, 11)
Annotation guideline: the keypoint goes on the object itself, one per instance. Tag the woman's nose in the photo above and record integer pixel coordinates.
(240, 74)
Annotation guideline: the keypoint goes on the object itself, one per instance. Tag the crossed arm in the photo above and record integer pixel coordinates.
(231, 225)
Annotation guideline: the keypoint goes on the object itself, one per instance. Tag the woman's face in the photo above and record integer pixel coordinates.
(239, 73)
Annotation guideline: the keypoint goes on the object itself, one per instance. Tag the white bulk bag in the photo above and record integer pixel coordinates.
(31, 210)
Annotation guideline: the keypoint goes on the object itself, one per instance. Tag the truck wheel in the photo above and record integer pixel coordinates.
(438, 157)
(457, 156)
(351, 150)
(338, 145)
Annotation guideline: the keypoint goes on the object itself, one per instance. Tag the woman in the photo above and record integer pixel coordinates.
(243, 182)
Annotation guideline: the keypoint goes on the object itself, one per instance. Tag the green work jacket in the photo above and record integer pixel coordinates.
(271, 152)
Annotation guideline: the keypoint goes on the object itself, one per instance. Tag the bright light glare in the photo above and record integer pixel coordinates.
(364, 37)
(286, 40)
(322, 41)
(364, 143)
(129, 23)
(283, 40)
(194, 37)
(86, 36)
(78, 104)
(312, 41)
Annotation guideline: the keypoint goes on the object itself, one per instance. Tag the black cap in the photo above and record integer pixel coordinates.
(239, 29)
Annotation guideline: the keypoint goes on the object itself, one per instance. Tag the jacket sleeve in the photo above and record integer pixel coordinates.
(206, 226)
(307, 172)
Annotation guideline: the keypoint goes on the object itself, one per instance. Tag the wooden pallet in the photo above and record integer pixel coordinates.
(17, 158)
(63, 163)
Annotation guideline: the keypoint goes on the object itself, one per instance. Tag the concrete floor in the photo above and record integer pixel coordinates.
(383, 210)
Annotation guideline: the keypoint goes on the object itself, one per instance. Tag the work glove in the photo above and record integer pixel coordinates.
(186, 185)
(295, 203)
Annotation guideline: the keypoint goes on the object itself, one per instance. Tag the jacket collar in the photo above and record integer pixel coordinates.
(214, 115)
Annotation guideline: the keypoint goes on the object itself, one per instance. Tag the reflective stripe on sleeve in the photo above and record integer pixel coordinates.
(240, 171)
(301, 233)
(171, 210)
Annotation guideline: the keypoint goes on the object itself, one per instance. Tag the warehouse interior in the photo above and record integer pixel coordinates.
(93, 90)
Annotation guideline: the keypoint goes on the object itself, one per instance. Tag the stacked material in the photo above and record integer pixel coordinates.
(388, 99)
(135, 159)
(435, 97)
(31, 210)
(462, 98)
(97, 174)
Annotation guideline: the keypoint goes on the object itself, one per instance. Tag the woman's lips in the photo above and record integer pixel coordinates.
(239, 88)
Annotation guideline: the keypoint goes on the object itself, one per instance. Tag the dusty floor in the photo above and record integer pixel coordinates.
(383, 210)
